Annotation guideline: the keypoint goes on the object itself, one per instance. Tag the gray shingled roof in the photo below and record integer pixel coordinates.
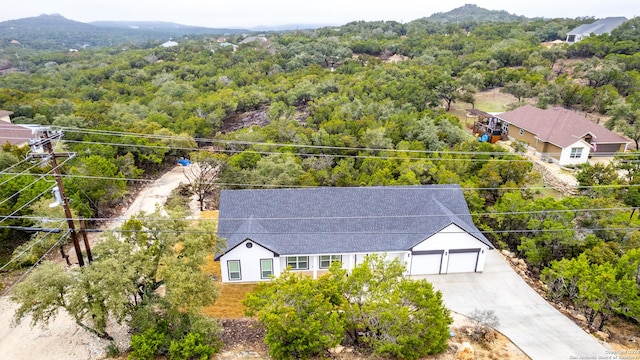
(560, 126)
(341, 220)
(599, 27)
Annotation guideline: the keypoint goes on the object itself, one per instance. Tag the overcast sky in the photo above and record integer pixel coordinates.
(250, 13)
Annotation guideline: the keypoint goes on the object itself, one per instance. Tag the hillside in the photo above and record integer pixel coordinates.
(471, 12)
(164, 27)
(55, 32)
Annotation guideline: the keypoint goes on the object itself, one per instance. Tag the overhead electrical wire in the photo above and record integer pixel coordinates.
(253, 143)
(231, 151)
(35, 264)
(509, 231)
(40, 177)
(577, 187)
(27, 203)
(43, 238)
(15, 175)
(552, 211)
(16, 164)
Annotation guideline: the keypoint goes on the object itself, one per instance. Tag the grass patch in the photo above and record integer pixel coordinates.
(229, 303)
(546, 191)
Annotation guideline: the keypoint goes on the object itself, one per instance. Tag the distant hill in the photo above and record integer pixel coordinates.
(162, 26)
(470, 12)
(286, 27)
(55, 32)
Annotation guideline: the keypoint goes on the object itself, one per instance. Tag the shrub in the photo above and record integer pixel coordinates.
(145, 345)
(192, 346)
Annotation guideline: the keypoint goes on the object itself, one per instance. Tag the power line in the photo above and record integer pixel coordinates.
(253, 143)
(15, 175)
(509, 231)
(51, 231)
(34, 265)
(17, 164)
(231, 151)
(41, 176)
(313, 186)
(419, 216)
(26, 204)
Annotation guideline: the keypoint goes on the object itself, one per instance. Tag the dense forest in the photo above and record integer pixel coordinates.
(331, 109)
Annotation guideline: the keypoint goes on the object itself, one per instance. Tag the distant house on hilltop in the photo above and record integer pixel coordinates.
(169, 44)
(560, 135)
(602, 26)
(250, 39)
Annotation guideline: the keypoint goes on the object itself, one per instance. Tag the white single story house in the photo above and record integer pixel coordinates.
(429, 228)
(560, 135)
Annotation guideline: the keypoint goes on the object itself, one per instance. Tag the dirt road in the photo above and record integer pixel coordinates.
(63, 339)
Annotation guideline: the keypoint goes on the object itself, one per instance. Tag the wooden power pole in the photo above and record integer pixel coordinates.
(45, 141)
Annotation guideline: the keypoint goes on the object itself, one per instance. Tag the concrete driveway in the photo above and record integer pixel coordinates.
(536, 327)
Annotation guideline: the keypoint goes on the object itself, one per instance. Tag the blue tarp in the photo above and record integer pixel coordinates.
(184, 162)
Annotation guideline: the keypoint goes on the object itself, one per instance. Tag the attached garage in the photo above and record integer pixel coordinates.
(450, 250)
(426, 262)
(463, 260)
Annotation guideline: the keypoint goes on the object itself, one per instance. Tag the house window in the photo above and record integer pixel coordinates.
(327, 260)
(266, 268)
(298, 262)
(234, 270)
(521, 131)
(576, 153)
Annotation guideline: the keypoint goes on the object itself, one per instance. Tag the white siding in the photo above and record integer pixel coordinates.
(565, 155)
(249, 262)
(452, 238)
(423, 262)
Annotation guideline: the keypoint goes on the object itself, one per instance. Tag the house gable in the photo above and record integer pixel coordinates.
(248, 255)
(451, 237)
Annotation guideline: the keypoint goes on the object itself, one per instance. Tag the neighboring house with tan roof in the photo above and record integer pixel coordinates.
(5, 115)
(14, 134)
(560, 135)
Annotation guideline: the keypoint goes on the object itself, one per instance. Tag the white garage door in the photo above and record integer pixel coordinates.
(463, 260)
(426, 262)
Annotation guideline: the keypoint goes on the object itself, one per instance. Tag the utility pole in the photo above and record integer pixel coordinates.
(45, 142)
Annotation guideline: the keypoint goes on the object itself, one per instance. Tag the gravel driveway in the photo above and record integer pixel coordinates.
(536, 327)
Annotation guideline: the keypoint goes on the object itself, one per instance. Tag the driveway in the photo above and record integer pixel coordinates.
(536, 327)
